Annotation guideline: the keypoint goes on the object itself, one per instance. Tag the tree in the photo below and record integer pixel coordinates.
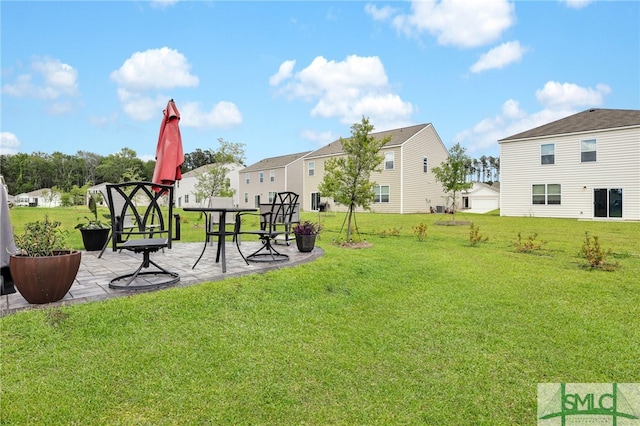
(451, 173)
(347, 178)
(213, 181)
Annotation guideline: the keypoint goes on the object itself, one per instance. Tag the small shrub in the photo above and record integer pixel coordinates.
(595, 255)
(475, 236)
(391, 232)
(529, 245)
(420, 231)
(41, 238)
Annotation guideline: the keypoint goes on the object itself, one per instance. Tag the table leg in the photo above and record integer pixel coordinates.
(221, 240)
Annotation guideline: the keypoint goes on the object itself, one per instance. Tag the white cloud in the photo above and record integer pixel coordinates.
(460, 23)
(163, 3)
(568, 95)
(558, 101)
(9, 143)
(141, 107)
(222, 115)
(499, 57)
(49, 80)
(152, 69)
(576, 4)
(379, 14)
(348, 90)
(284, 73)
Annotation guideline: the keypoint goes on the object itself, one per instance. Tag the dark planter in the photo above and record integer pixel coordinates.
(94, 239)
(306, 243)
(45, 279)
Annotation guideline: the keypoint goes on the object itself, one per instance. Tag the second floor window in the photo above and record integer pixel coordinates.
(548, 153)
(261, 177)
(272, 176)
(247, 178)
(312, 168)
(388, 160)
(588, 150)
(424, 164)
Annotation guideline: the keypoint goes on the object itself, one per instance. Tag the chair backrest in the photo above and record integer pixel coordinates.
(282, 209)
(221, 202)
(141, 210)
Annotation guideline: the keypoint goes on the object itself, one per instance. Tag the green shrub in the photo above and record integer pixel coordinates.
(595, 255)
(475, 236)
(529, 245)
(420, 231)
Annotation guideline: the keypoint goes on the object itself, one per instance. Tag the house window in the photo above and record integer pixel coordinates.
(272, 176)
(546, 194)
(388, 160)
(247, 178)
(547, 153)
(186, 198)
(272, 196)
(424, 164)
(261, 177)
(246, 197)
(381, 194)
(312, 168)
(588, 150)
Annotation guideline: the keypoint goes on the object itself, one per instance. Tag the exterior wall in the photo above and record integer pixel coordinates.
(421, 190)
(617, 165)
(286, 178)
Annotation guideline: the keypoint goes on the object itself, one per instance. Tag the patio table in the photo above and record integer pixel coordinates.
(221, 233)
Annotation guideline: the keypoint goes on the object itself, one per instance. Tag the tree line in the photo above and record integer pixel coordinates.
(70, 173)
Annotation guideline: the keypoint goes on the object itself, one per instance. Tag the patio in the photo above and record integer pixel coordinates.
(92, 281)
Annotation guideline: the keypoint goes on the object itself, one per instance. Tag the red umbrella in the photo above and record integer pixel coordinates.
(169, 154)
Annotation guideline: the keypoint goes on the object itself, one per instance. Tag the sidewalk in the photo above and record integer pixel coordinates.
(92, 281)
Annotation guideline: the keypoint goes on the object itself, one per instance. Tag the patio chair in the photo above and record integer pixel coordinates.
(149, 206)
(274, 222)
(212, 223)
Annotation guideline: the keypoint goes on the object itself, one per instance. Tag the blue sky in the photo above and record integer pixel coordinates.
(290, 76)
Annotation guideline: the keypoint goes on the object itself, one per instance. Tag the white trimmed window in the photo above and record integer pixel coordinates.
(261, 177)
(272, 175)
(588, 151)
(546, 194)
(388, 160)
(424, 164)
(312, 168)
(548, 153)
(381, 194)
(247, 178)
(246, 197)
(272, 196)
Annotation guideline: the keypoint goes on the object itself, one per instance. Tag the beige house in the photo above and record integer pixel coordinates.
(405, 184)
(585, 166)
(259, 182)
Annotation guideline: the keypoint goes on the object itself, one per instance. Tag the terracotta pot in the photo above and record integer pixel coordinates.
(45, 279)
(94, 239)
(305, 243)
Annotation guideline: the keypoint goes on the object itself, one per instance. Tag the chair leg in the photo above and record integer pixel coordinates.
(203, 249)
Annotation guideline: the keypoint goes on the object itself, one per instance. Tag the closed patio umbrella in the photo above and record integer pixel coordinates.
(169, 154)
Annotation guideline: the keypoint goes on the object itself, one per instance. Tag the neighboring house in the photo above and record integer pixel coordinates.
(185, 192)
(481, 198)
(44, 197)
(406, 183)
(260, 181)
(585, 166)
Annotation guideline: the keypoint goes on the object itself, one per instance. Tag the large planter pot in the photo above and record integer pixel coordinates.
(94, 239)
(45, 279)
(306, 243)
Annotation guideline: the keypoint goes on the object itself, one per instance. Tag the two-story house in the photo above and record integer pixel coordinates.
(585, 166)
(260, 181)
(405, 183)
(185, 192)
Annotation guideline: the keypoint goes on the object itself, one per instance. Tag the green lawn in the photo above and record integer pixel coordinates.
(405, 332)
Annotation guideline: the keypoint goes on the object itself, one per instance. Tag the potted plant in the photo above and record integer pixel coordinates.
(305, 233)
(43, 268)
(94, 233)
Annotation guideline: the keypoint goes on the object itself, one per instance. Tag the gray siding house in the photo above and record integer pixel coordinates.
(585, 166)
(404, 185)
(260, 181)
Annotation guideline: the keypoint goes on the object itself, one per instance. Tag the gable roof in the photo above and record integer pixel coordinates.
(398, 137)
(274, 162)
(585, 121)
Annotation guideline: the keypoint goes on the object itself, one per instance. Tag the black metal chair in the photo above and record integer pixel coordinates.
(149, 206)
(212, 225)
(273, 223)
